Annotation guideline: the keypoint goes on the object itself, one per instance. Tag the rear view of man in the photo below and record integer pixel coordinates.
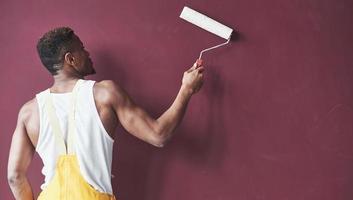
(71, 124)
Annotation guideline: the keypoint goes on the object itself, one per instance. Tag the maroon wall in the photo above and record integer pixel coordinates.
(273, 121)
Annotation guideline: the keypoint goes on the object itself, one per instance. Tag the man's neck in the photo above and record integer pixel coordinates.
(64, 83)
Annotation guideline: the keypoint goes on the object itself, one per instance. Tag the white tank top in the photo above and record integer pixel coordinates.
(93, 145)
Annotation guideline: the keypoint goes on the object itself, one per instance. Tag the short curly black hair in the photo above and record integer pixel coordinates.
(52, 47)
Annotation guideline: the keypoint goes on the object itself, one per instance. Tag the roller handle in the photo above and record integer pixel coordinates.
(199, 62)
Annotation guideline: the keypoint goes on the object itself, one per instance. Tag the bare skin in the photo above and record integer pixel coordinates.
(114, 106)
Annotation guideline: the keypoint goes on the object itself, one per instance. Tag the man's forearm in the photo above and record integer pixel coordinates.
(21, 188)
(170, 119)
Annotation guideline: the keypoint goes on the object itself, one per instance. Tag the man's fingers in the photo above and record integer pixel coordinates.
(192, 68)
(201, 69)
(197, 65)
(200, 77)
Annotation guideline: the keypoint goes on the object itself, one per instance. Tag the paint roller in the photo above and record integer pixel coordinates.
(208, 24)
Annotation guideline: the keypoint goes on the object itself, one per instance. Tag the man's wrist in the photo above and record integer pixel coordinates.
(187, 91)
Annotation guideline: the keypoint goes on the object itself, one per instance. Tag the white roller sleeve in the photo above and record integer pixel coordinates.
(206, 23)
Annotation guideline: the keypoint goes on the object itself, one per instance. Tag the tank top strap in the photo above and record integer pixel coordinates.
(71, 122)
(54, 121)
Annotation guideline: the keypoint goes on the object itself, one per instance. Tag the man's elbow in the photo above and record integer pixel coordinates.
(160, 143)
(160, 140)
(15, 178)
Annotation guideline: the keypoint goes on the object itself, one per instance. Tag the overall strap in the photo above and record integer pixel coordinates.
(54, 121)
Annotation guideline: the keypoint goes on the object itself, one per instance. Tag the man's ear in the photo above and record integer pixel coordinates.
(69, 58)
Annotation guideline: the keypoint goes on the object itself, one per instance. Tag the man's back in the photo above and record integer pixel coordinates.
(92, 145)
(30, 111)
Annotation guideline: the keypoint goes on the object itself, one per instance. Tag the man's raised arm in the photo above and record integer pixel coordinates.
(140, 124)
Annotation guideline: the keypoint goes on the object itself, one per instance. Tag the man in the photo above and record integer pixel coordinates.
(71, 124)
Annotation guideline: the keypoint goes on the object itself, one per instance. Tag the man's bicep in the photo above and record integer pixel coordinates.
(135, 119)
(21, 150)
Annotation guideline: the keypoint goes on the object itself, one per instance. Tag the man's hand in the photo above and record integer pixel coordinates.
(193, 78)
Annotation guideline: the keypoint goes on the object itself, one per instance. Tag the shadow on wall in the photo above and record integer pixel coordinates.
(129, 168)
(109, 67)
(141, 177)
(206, 147)
(199, 146)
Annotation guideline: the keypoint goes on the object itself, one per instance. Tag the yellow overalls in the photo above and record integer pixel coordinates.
(68, 183)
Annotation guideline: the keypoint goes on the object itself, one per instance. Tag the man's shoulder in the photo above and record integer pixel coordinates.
(105, 84)
(27, 109)
(107, 90)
